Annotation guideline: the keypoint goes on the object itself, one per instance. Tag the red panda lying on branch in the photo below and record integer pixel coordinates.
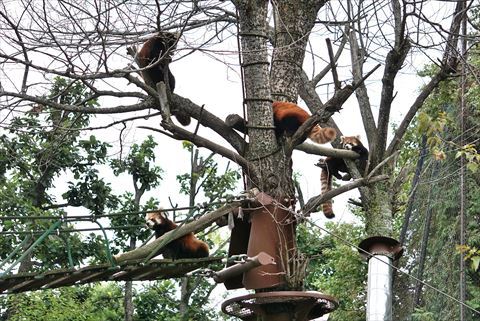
(187, 246)
(288, 117)
(155, 56)
(333, 166)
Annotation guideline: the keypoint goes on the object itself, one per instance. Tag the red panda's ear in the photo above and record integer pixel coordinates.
(358, 137)
(342, 139)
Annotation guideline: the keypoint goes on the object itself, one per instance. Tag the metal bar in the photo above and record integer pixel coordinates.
(69, 250)
(107, 245)
(44, 217)
(32, 247)
(15, 251)
(72, 230)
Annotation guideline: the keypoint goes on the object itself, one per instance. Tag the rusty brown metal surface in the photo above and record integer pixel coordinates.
(272, 232)
(380, 245)
(280, 305)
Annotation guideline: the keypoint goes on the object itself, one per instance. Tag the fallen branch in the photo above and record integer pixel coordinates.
(156, 245)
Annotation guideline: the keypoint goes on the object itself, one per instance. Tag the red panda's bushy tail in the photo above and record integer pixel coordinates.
(322, 135)
(326, 185)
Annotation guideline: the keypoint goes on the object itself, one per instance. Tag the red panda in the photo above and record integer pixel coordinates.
(288, 117)
(187, 246)
(332, 166)
(155, 55)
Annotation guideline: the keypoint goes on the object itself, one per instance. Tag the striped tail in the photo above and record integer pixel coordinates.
(326, 185)
(322, 135)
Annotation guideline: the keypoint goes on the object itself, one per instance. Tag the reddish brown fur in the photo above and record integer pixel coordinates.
(288, 117)
(155, 56)
(155, 53)
(187, 246)
(326, 185)
(332, 166)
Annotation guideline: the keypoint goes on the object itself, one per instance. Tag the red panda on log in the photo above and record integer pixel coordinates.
(187, 246)
(333, 166)
(288, 117)
(154, 57)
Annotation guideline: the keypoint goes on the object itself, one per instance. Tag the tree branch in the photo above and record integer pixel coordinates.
(315, 201)
(417, 104)
(448, 67)
(209, 120)
(80, 109)
(199, 224)
(333, 105)
(317, 149)
(393, 64)
(181, 134)
(357, 57)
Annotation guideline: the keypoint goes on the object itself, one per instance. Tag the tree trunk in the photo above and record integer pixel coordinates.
(185, 293)
(378, 209)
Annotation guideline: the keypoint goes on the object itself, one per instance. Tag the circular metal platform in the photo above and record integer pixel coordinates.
(303, 305)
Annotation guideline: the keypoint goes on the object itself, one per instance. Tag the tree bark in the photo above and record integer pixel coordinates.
(128, 297)
(293, 22)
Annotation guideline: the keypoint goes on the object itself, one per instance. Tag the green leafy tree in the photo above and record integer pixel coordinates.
(41, 146)
(434, 225)
(335, 266)
(100, 302)
(203, 184)
(139, 164)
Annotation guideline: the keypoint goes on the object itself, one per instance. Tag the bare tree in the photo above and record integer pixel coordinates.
(280, 43)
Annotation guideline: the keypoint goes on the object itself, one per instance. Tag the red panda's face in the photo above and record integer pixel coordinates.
(349, 142)
(154, 219)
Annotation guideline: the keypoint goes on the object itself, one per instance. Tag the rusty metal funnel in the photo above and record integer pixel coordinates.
(280, 306)
(272, 232)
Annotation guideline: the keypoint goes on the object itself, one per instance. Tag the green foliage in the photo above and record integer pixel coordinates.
(433, 128)
(160, 302)
(422, 315)
(140, 165)
(439, 121)
(471, 155)
(39, 147)
(101, 302)
(336, 268)
(472, 254)
(205, 177)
